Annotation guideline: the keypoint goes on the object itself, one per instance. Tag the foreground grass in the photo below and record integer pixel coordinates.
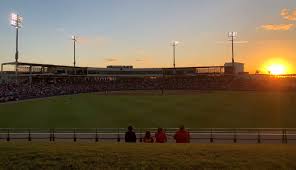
(145, 156)
(203, 109)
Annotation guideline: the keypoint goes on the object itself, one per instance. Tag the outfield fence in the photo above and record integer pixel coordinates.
(213, 135)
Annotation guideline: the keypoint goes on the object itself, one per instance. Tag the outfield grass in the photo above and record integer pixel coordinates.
(196, 110)
(145, 156)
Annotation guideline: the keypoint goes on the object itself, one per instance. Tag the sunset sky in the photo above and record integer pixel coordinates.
(139, 32)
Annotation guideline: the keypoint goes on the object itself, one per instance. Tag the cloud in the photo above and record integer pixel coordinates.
(140, 60)
(95, 40)
(110, 59)
(235, 42)
(279, 27)
(92, 41)
(141, 56)
(288, 15)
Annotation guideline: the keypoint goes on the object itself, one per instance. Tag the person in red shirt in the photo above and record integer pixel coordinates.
(160, 136)
(182, 136)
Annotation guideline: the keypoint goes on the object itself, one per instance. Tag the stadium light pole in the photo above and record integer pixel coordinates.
(174, 44)
(16, 21)
(74, 38)
(232, 36)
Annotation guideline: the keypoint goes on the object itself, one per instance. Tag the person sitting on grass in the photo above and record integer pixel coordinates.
(182, 135)
(148, 138)
(130, 135)
(160, 136)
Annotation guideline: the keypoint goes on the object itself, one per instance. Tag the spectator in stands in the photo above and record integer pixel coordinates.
(148, 138)
(45, 86)
(182, 135)
(160, 136)
(130, 135)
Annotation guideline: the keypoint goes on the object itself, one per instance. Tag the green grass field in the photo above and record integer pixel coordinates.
(145, 156)
(197, 110)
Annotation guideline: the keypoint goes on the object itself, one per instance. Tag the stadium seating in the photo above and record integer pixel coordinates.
(53, 86)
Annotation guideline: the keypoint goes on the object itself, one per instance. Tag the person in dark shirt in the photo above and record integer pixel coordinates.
(130, 135)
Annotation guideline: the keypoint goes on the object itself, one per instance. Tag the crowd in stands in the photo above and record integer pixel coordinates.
(181, 136)
(50, 86)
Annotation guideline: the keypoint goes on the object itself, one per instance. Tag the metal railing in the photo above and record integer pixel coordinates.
(206, 135)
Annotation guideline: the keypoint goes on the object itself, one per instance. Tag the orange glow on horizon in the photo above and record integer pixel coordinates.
(276, 67)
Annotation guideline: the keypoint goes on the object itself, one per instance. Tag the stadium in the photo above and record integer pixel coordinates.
(96, 88)
(54, 103)
(120, 105)
(33, 80)
(106, 86)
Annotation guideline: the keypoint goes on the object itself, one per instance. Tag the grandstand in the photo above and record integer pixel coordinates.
(50, 69)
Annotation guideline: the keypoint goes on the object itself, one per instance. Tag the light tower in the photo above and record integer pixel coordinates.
(232, 36)
(174, 44)
(74, 38)
(16, 21)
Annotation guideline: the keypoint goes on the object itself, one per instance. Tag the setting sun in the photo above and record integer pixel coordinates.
(276, 66)
(276, 69)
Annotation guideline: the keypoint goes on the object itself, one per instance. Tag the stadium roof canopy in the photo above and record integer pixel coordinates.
(37, 64)
(37, 68)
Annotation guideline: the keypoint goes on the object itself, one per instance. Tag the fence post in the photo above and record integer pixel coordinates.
(211, 138)
(74, 135)
(8, 135)
(118, 135)
(50, 135)
(284, 136)
(189, 138)
(234, 136)
(141, 140)
(97, 139)
(53, 136)
(258, 137)
(29, 135)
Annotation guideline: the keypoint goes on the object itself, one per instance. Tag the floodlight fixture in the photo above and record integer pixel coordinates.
(232, 34)
(174, 43)
(16, 20)
(74, 38)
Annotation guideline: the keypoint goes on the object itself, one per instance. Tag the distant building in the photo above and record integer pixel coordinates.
(113, 67)
(238, 68)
